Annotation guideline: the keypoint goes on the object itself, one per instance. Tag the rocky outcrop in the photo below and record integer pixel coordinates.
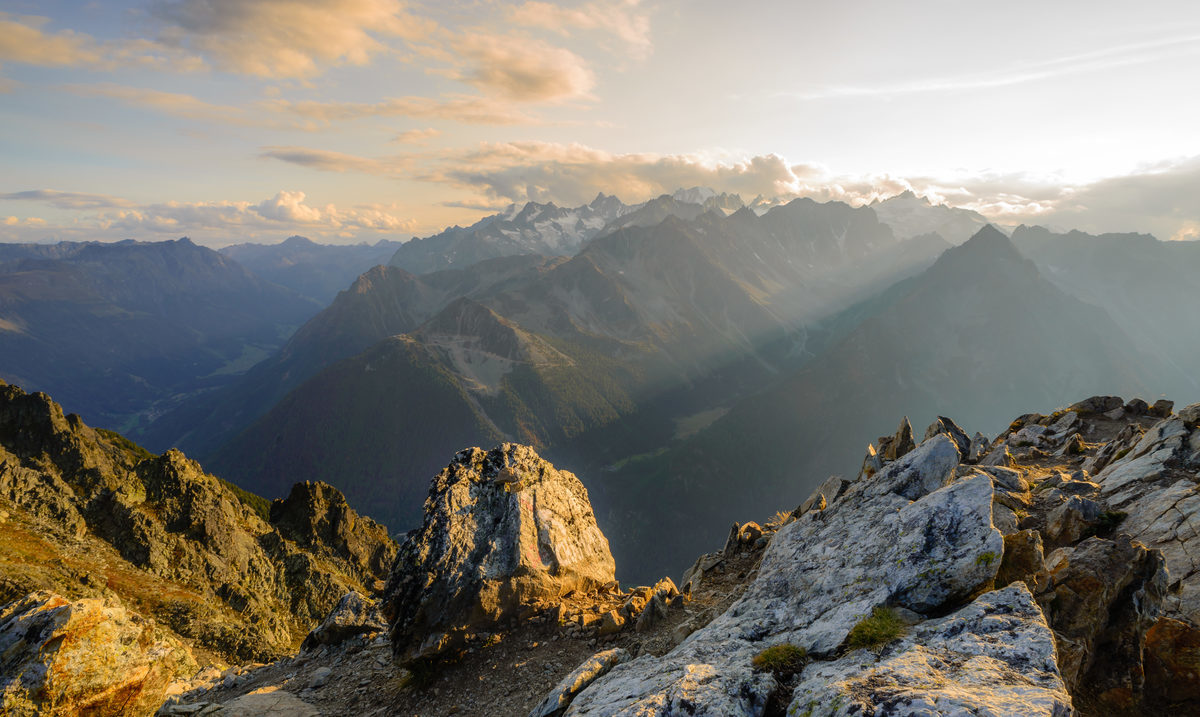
(922, 540)
(182, 546)
(504, 532)
(316, 517)
(93, 657)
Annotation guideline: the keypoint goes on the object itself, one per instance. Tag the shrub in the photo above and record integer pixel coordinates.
(783, 660)
(883, 626)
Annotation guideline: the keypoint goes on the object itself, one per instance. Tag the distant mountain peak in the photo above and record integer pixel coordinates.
(296, 241)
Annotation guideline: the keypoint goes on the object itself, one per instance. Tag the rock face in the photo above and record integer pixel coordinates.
(182, 545)
(92, 657)
(922, 540)
(503, 531)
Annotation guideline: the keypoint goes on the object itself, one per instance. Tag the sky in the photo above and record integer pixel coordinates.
(360, 120)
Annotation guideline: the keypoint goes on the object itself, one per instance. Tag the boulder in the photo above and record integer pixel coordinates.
(1097, 404)
(592, 669)
(950, 428)
(1071, 519)
(978, 449)
(825, 494)
(995, 656)
(1162, 408)
(354, 615)
(1137, 407)
(503, 531)
(91, 656)
(872, 462)
(885, 542)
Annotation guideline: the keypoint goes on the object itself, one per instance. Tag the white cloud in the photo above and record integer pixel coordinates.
(337, 161)
(108, 218)
(288, 38)
(67, 200)
(417, 136)
(468, 109)
(625, 19)
(23, 40)
(521, 69)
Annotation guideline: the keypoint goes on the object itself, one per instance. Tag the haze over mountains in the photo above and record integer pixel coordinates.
(114, 330)
(655, 349)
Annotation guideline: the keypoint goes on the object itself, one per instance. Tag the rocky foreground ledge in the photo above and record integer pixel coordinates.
(1046, 572)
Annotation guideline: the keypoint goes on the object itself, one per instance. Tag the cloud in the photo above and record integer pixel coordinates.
(23, 40)
(573, 173)
(287, 212)
(1099, 60)
(287, 38)
(67, 200)
(468, 109)
(169, 103)
(622, 18)
(521, 69)
(417, 136)
(327, 161)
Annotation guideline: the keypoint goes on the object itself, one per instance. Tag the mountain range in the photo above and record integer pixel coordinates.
(317, 271)
(119, 331)
(619, 331)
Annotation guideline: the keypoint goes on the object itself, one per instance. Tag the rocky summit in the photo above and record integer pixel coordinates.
(504, 534)
(1045, 572)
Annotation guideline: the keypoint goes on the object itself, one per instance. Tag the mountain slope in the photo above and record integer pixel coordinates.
(318, 271)
(87, 513)
(530, 229)
(636, 318)
(111, 329)
(980, 335)
(1148, 286)
(383, 302)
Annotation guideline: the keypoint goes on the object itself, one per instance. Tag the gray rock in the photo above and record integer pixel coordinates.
(950, 428)
(824, 495)
(902, 442)
(1162, 408)
(354, 615)
(995, 656)
(978, 449)
(1097, 404)
(504, 531)
(872, 462)
(592, 669)
(1069, 521)
(883, 542)
(320, 677)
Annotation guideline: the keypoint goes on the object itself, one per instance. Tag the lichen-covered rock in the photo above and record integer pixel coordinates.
(504, 530)
(354, 615)
(911, 536)
(993, 657)
(91, 657)
(592, 669)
